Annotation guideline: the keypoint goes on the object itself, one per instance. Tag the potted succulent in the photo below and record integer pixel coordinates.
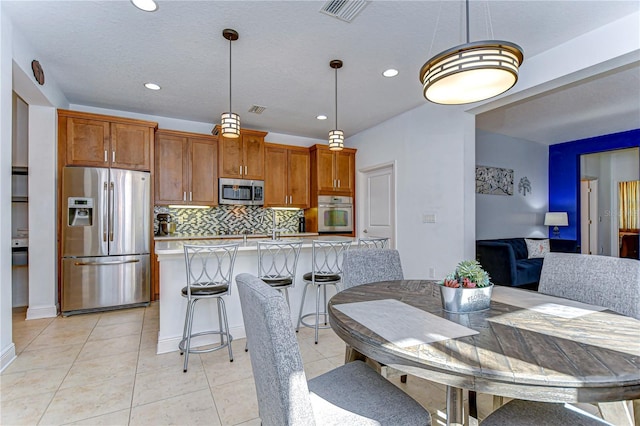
(467, 289)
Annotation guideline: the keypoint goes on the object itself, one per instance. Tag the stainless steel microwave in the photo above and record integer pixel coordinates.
(241, 191)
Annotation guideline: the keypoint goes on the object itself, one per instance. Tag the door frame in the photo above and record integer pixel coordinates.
(362, 194)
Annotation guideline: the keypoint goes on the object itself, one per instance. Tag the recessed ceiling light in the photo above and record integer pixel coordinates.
(391, 72)
(321, 117)
(152, 86)
(146, 5)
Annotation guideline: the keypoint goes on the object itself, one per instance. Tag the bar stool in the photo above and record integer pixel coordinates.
(373, 242)
(326, 267)
(277, 263)
(209, 275)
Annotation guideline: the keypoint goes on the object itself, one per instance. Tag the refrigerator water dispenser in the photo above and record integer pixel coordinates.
(80, 211)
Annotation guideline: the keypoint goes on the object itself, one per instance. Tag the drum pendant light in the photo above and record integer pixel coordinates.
(471, 72)
(230, 121)
(336, 137)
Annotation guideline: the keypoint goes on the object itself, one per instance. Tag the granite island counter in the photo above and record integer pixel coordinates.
(173, 306)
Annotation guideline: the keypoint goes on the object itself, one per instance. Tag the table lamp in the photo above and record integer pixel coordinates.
(556, 219)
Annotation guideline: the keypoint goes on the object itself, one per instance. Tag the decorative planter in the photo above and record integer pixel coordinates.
(463, 300)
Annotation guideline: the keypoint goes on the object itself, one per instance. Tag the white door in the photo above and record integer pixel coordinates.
(379, 203)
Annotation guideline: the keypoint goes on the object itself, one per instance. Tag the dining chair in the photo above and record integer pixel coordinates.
(370, 266)
(352, 394)
(277, 264)
(611, 282)
(209, 276)
(326, 269)
(373, 242)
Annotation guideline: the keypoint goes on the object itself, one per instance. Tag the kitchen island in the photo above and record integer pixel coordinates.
(173, 306)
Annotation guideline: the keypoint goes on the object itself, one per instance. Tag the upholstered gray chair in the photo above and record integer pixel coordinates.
(370, 266)
(209, 276)
(597, 280)
(326, 269)
(352, 394)
(530, 413)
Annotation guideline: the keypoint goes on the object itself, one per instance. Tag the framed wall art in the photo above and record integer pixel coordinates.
(494, 180)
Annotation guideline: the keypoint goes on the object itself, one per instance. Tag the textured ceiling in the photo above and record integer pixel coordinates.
(101, 52)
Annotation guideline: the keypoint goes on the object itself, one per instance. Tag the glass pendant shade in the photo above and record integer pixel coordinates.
(471, 72)
(230, 125)
(336, 140)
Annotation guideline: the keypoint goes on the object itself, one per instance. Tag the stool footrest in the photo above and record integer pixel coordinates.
(183, 342)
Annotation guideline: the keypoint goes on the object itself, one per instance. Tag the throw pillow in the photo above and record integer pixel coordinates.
(537, 248)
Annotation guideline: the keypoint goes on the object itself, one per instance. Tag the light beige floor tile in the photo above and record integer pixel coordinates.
(61, 356)
(59, 337)
(149, 340)
(24, 338)
(92, 400)
(75, 321)
(117, 418)
(336, 361)
(156, 385)
(309, 352)
(115, 330)
(121, 316)
(317, 368)
(218, 368)
(252, 422)
(236, 401)
(330, 345)
(148, 361)
(31, 382)
(103, 348)
(101, 369)
(26, 410)
(196, 408)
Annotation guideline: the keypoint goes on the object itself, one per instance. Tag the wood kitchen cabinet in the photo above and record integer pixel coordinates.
(186, 168)
(243, 157)
(93, 140)
(333, 172)
(287, 176)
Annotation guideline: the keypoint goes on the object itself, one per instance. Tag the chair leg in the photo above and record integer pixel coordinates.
(186, 322)
(223, 309)
(317, 311)
(220, 320)
(304, 294)
(324, 289)
(187, 346)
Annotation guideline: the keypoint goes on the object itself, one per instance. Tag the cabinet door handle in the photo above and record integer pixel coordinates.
(338, 183)
(105, 156)
(190, 196)
(184, 196)
(240, 170)
(245, 170)
(290, 199)
(113, 157)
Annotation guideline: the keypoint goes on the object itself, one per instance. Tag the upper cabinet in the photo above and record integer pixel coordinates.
(186, 168)
(243, 157)
(94, 140)
(287, 176)
(332, 172)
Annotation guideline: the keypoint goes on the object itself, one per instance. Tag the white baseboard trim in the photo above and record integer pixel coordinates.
(42, 312)
(170, 344)
(8, 356)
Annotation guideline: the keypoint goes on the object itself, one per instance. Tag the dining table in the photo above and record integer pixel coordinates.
(527, 345)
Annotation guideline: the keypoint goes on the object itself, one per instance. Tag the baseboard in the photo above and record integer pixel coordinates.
(170, 344)
(42, 312)
(8, 356)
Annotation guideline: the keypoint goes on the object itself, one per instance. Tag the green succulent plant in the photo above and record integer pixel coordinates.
(472, 271)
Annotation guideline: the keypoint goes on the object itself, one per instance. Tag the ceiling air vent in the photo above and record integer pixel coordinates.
(345, 10)
(257, 109)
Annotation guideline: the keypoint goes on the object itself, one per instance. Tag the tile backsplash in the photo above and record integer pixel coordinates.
(228, 220)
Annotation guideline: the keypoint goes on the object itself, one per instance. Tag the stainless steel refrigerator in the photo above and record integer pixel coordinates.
(105, 239)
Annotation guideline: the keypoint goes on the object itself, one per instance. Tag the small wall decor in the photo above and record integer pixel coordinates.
(38, 73)
(494, 180)
(524, 186)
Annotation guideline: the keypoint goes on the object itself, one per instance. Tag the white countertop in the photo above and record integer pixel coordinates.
(176, 236)
(175, 246)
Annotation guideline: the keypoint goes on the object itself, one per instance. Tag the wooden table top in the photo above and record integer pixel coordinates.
(518, 352)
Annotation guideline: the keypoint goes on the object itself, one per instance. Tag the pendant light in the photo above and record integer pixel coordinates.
(471, 72)
(336, 137)
(230, 121)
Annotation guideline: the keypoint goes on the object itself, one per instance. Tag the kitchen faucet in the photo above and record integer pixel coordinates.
(275, 232)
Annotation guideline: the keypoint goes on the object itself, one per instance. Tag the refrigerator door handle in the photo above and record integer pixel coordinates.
(111, 200)
(122, 262)
(104, 215)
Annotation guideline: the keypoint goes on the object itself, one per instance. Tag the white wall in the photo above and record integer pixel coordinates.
(432, 147)
(499, 216)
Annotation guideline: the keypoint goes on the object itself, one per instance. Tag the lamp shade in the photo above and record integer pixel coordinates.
(556, 219)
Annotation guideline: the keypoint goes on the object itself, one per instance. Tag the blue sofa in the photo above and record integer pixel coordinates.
(506, 260)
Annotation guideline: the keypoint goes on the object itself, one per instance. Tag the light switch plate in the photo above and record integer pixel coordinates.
(428, 218)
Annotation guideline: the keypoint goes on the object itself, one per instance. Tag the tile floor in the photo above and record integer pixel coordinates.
(102, 369)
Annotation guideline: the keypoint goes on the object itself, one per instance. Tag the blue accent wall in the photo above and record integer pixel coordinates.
(564, 173)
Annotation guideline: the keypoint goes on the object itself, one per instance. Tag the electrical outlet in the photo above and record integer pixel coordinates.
(428, 218)
(432, 272)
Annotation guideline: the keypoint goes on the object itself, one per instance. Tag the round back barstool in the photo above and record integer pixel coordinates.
(373, 242)
(209, 275)
(326, 269)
